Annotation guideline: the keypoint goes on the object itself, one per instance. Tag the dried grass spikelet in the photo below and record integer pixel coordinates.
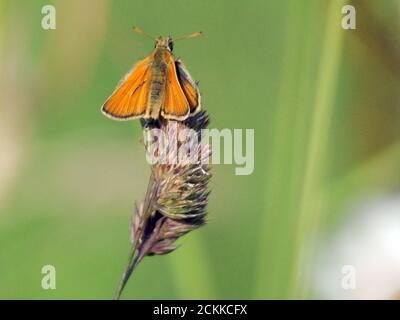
(177, 194)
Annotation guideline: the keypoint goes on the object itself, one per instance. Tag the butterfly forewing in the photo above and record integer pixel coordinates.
(175, 104)
(129, 100)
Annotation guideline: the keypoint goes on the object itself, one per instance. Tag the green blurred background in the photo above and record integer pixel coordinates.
(324, 103)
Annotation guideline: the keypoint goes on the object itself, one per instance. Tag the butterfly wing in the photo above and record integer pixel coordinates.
(129, 100)
(189, 87)
(175, 104)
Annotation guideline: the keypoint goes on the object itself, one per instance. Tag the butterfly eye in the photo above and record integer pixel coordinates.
(171, 45)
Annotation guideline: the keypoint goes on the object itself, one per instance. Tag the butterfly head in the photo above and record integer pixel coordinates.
(165, 43)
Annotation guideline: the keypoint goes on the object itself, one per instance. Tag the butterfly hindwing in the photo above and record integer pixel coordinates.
(189, 87)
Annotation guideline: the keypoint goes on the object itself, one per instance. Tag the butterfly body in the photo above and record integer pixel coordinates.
(159, 69)
(157, 86)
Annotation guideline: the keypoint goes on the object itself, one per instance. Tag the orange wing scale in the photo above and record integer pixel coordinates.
(176, 106)
(129, 100)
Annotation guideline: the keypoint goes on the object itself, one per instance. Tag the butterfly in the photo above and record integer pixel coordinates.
(157, 86)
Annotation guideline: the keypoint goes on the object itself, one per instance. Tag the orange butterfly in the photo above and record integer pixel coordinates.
(156, 85)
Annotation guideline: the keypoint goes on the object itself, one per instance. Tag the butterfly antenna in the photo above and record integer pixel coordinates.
(140, 31)
(192, 35)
